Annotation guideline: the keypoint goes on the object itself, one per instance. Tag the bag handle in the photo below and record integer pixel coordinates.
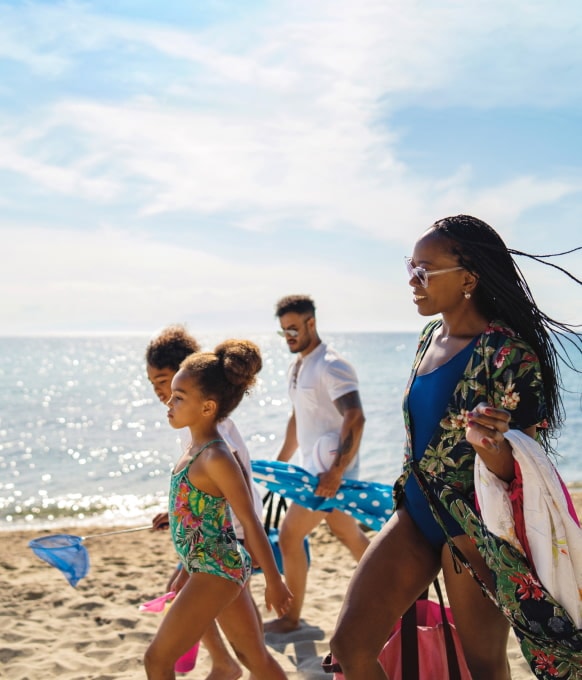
(409, 644)
(268, 501)
(452, 659)
(409, 640)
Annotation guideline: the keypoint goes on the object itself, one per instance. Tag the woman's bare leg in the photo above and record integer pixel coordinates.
(396, 568)
(482, 628)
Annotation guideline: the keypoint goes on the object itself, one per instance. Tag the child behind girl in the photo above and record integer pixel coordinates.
(205, 482)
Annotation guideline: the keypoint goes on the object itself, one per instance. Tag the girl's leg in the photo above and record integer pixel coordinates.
(224, 667)
(395, 569)
(193, 610)
(242, 625)
(482, 628)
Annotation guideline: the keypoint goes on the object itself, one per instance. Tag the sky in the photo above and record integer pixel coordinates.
(192, 162)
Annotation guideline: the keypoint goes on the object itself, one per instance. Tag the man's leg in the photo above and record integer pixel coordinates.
(348, 531)
(298, 523)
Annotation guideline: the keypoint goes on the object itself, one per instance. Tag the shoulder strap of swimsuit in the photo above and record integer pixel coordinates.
(195, 456)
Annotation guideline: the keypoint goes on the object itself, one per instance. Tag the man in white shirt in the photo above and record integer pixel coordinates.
(326, 424)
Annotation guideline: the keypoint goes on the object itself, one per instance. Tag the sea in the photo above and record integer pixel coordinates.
(84, 440)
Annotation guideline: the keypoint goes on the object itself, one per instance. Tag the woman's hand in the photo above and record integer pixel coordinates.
(485, 431)
(486, 426)
(278, 596)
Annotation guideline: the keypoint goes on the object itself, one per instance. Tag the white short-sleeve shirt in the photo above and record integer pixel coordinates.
(322, 377)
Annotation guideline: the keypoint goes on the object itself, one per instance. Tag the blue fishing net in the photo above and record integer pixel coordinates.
(65, 552)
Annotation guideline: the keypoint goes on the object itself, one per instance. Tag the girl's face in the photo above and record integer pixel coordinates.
(161, 380)
(445, 290)
(187, 405)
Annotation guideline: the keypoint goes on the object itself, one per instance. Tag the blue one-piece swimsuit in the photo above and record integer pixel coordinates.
(427, 401)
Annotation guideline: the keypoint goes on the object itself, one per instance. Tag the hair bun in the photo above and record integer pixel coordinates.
(241, 361)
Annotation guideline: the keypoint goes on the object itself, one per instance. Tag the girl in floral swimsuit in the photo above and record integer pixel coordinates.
(206, 481)
(488, 364)
(202, 530)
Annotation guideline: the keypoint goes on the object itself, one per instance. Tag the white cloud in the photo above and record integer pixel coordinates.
(72, 180)
(266, 171)
(60, 280)
(110, 280)
(279, 118)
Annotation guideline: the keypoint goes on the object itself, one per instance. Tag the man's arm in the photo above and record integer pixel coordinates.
(290, 442)
(350, 407)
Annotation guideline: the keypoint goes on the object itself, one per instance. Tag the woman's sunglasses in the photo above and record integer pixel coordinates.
(422, 274)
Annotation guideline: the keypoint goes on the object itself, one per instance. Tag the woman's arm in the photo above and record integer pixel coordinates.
(486, 428)
(516, 400)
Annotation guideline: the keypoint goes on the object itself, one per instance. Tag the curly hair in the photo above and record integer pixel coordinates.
(298, 304)
(170, 347)
(503, 293)
(226, 374)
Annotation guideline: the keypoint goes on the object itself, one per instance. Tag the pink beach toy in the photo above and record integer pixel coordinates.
(187, 661)
(158, 604)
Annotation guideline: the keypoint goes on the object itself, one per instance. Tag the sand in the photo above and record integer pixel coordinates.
(95, 631)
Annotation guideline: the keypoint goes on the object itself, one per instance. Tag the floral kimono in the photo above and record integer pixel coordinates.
(503, 371)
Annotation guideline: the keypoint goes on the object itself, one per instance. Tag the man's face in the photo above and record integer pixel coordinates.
(161, 380)
(299, 331)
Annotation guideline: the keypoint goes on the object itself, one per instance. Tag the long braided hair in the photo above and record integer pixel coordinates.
(503, 293)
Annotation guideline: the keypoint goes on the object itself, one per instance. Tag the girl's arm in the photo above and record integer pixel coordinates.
(244, 471)
(227, 475)
(178, 580)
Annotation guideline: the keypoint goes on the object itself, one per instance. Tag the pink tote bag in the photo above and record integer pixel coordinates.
(424, 645)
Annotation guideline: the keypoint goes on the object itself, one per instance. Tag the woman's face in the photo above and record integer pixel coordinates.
(444, 291)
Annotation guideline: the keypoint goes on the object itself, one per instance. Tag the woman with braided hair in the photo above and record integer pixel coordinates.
(488, 365)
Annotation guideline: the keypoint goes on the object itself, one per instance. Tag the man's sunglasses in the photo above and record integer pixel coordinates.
(288, 333)
(291, 332)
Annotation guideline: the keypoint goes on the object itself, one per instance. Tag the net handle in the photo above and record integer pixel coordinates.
(119, 531)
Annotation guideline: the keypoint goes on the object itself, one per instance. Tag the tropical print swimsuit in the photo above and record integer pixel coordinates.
(202, 530)
(503, 371)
